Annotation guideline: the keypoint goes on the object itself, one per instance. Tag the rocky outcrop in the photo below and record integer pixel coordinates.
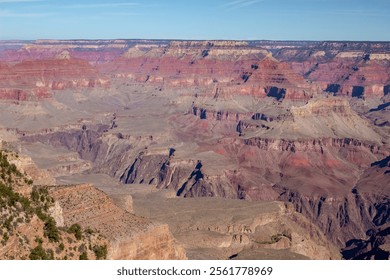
(155, 244)
(130, 237)
(85, 141)
(31, 221)
(204, 113)
(218, 228)
(339, 218)
(315, 145)
(26, 165)
(146, 169)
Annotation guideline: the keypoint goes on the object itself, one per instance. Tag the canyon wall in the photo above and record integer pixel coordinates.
(292, 70)
(306, 123)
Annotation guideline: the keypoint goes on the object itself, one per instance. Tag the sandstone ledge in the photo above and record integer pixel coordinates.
(130, 237)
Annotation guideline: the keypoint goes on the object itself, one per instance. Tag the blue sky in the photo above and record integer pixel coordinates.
(196, 19)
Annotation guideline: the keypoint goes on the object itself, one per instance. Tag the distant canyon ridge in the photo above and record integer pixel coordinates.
(301, 124)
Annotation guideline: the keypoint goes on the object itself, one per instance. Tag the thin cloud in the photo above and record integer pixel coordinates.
(249, 3)
(233, 3)
(240, 3)
(101, 5)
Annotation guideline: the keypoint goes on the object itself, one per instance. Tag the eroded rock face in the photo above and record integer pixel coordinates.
(220, 228)
(279, 70)
(130, 237)
(154, 244)
(266, 168)
(37, 79)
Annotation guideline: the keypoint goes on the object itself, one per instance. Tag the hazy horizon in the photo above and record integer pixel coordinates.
(180, 39)
(274, 20)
